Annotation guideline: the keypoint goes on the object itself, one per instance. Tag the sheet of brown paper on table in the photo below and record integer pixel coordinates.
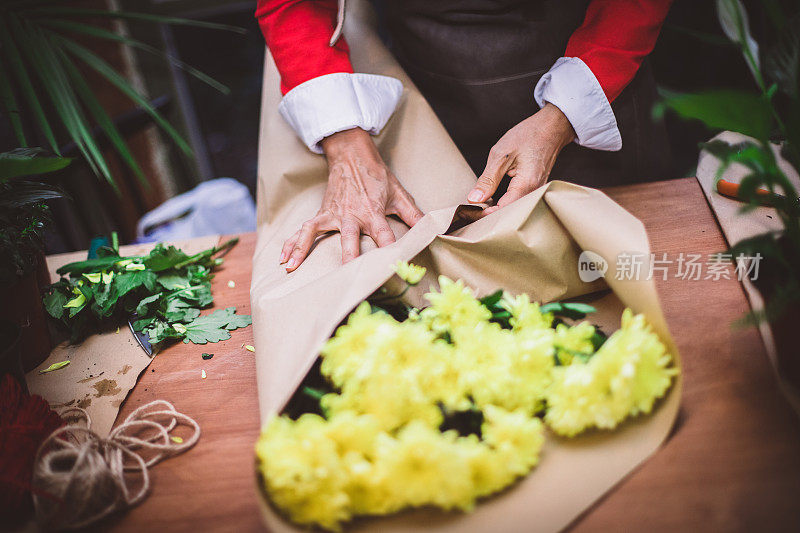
(737, 226)
(531, 246)
(104, 367)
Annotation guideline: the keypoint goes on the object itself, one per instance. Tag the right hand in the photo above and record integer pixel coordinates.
(361, 193)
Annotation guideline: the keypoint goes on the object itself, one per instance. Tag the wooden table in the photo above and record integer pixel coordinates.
(731, 463)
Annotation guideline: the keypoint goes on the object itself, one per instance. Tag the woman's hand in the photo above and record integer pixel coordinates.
(361, 193)
(526, 153)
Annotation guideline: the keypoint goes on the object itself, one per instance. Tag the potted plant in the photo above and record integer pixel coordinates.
(770, 116)
(24, 215)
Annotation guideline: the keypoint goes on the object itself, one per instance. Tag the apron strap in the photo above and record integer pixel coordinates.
(337, 32)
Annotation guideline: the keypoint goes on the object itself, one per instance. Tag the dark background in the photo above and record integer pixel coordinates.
(223, 130)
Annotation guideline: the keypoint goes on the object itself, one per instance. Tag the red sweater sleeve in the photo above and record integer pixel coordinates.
(615, 37)
(298, 33)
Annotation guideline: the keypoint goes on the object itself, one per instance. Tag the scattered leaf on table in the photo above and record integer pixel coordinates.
(207, 355)
(54, 366)
(249, 348)
(203, 374)
(176, 440)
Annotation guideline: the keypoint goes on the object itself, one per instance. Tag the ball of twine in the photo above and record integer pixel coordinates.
(80, 477)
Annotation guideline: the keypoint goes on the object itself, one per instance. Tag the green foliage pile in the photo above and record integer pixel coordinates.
(161, 293)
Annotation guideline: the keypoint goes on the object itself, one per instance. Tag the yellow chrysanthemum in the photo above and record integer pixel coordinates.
(453, 306)
(409, 272)
(624, 378)
(303, 471)
(524, 313)
(571, 340)
(380, 448)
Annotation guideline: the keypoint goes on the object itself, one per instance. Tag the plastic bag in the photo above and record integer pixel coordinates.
(217, 207)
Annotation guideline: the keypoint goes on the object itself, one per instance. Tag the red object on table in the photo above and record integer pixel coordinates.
(25, 421)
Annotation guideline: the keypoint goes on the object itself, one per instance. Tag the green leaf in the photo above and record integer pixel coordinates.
(54, 302)
(144, 306)
(164, 257)
(54, 366)
(128, 281)
(215, 327)
(88, 265)
(40, 54)
(10, 105)
(93, 105)
(26, 86)
(173, 282)
(159, 331)
(492, 300)
(29, 162)
(180, 311)
(102, 33)
(573, 310)
(28, 192)
(722, 109)
(105, 70)
(207, 356)
(130, 15)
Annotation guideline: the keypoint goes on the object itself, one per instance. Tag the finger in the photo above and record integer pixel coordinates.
(288, 246)
(514, 193)
(351, 235)
(380, 232)
(308, 234)
(407, 210)
(496, 165)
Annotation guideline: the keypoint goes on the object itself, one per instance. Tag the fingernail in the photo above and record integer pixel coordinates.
(283, 258)
(476, 195)
(291, 264)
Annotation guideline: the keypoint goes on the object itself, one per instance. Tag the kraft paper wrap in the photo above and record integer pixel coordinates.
(530, 246)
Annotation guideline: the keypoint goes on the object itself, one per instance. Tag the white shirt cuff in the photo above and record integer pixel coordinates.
(336, 102)
(572, 87)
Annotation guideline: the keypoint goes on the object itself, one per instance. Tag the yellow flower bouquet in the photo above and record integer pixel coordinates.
(444, 405)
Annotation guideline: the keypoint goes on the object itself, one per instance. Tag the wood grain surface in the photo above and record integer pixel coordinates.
(732, 462)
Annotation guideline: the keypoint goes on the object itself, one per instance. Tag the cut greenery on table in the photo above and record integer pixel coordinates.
(161, 293)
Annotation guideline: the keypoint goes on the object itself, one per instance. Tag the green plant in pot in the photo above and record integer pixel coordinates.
(24, 215)
(770, 117)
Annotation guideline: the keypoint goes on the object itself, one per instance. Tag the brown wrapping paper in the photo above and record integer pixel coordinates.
(104, 367)
(737, 226)
(530, 246)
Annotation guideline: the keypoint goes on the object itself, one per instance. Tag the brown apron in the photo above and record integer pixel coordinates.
(478, 61)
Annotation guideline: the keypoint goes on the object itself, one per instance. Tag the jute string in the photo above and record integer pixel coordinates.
(81, 477)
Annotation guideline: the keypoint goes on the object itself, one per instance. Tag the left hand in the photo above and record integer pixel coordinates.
(526, 153)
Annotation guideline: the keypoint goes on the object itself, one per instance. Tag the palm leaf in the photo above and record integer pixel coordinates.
(131, 15)
(90, 101)
(105, 70)
(24, 82)
(10, 105)
(33, 45)
(53, 79)
(28, 192)
(102, 33)
(29, 162)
